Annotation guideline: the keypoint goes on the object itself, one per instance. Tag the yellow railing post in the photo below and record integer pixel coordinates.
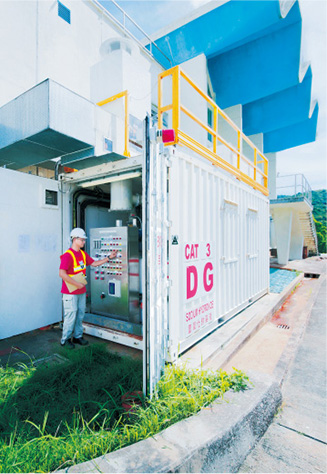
(255, 165)
(265, 170)
(215, 127)
(126, 150)
(176, 100)
(238, 149)
(123, 94)
(159, 102)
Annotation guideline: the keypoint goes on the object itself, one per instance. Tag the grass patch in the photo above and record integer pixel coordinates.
(53, 417)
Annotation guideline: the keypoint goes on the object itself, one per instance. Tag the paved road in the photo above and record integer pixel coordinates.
(297, 439)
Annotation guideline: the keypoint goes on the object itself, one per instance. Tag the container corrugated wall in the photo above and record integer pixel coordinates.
(218, 248)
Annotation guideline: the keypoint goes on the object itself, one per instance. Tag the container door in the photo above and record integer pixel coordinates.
(30, 244)
(155, 250)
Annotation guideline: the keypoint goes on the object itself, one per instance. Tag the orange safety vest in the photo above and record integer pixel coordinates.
(77, 267)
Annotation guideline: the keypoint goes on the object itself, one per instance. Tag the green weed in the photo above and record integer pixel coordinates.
(54, 417)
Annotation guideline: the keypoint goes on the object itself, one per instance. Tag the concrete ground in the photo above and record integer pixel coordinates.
(264, 350)
(296, 441)
(42, 343)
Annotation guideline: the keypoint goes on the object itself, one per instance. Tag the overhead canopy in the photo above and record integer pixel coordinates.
(253, 55)
(45, 122)
(218, 29)
(88, 161)
(278, 110)
(294, 135)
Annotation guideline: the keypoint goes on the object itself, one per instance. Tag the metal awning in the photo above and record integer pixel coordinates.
(90, 161)
(46, 122)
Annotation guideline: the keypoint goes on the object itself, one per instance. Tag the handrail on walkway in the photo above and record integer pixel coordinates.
(293, 185)
(258, 178)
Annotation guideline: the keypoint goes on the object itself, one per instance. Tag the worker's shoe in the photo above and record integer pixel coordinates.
(80, 341)
(68, 344)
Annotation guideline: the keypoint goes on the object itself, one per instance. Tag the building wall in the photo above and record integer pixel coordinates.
(196, 69)
(39, 44)
(18, 52)
(29, 280)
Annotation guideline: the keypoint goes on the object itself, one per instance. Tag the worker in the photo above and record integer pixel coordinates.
(73, 262)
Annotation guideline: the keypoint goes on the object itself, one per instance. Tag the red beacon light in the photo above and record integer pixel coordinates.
(166, 136)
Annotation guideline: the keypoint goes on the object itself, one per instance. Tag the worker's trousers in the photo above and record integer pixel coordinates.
(74, 311)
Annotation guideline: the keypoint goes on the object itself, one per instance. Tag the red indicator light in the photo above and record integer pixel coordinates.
(166, 136)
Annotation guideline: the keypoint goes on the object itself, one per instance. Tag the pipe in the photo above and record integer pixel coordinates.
(58, 164)
(88, 202)
(86, 192)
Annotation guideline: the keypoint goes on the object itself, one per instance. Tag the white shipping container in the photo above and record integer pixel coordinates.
(218, 248)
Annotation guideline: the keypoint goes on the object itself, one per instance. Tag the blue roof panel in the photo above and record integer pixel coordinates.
(292, 136)
(257, 69)
(280, 109)
(223, 28)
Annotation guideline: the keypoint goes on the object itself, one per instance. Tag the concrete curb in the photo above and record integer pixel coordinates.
(217, 439)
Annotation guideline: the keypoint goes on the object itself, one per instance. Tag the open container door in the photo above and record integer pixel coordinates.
(113, 293)
(155, 330)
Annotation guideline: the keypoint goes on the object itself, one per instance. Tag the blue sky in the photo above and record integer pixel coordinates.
(310, 159)
(152, 15)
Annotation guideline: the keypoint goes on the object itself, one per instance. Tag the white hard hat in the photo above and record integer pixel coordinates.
(77, 233)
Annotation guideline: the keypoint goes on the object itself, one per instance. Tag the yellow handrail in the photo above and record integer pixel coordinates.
(185, 139)
(123, 94)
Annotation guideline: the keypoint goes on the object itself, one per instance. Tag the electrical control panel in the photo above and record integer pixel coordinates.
(115, 285)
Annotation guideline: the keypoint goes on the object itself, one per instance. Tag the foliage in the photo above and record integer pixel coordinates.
(53, 417)
(319, 202)
(90, 384)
